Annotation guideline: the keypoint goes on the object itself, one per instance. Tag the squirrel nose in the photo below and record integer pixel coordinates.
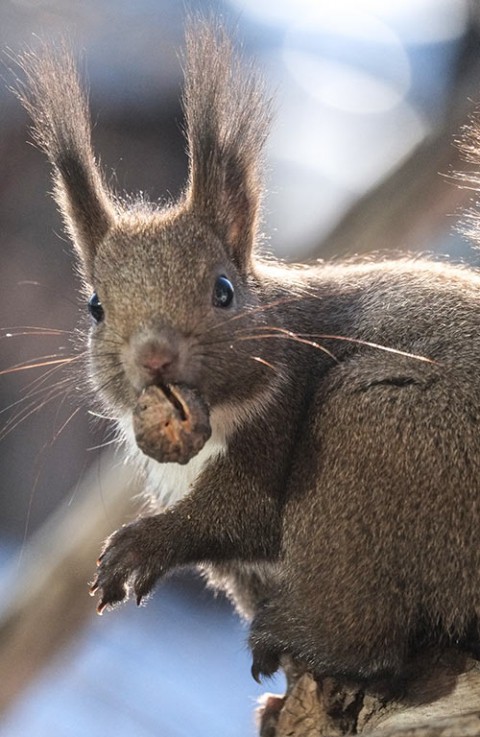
(158, 360)
(157, 364)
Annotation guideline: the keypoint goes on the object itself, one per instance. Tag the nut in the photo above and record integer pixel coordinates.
(171, 423)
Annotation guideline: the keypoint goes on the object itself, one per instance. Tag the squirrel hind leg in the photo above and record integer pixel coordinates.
(277, 631)
(268, 639)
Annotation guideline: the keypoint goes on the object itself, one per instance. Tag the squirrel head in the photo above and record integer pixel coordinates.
(174, 290)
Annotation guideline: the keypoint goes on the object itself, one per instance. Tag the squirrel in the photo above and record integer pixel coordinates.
(333, 490)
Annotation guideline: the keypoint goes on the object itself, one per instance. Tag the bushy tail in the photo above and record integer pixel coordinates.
(469, 145)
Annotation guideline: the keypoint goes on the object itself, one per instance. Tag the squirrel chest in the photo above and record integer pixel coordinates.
(170, 482)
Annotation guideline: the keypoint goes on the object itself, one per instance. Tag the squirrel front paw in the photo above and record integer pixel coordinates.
(131, 561)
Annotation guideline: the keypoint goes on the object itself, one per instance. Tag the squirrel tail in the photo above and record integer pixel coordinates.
(469, 146)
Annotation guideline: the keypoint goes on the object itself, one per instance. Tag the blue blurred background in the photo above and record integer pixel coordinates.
(357, 84)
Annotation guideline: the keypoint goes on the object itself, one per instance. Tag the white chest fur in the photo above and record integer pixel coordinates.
(167, 483)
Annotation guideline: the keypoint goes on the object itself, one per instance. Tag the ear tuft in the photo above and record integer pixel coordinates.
(227, 122)
(52, 95)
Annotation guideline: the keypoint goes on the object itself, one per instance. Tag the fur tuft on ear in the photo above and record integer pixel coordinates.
(52, 95)
(227, 122)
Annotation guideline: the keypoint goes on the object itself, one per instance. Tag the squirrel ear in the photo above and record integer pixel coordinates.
(227, 121)
(52, 95)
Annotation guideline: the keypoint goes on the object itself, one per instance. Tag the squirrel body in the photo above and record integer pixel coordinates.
(337, 500)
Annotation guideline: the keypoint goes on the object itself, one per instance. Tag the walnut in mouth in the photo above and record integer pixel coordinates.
(171, 423)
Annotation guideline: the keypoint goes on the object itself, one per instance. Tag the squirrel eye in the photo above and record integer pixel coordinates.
(95, 308)
(223, 292)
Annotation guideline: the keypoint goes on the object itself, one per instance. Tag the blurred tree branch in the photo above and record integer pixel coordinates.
(48, 599)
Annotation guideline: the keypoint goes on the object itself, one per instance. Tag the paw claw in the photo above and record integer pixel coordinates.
(143, 587)
(265, 664)
(256, 673)
(127, 564)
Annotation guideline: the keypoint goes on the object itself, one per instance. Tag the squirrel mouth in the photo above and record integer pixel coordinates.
(174, 397)
(171, 422)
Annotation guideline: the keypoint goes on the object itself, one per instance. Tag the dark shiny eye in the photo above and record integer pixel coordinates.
(95, 308)
(223, 292)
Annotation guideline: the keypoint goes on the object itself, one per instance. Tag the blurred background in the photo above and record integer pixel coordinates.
(369, 97)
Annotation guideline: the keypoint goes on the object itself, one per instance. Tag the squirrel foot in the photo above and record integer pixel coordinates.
(131, 561)
(265, 663)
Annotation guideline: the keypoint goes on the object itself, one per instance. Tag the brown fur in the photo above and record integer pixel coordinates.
(343, 512)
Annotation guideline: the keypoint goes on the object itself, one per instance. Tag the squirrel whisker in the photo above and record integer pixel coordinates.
(288, 335)
(27, 365)
(326, 336)
(30, 410)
